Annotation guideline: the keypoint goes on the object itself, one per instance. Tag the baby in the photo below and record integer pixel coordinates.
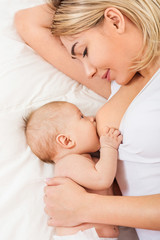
(59, 133)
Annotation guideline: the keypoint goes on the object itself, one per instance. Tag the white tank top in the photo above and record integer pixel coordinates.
(114, 88)
(138, 170)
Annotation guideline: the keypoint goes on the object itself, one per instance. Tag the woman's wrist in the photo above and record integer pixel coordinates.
(92, 208)
(102, 209)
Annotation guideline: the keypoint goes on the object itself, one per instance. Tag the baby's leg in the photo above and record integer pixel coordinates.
(103, 230)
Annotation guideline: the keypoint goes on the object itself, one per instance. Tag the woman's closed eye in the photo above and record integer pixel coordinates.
(85, 53)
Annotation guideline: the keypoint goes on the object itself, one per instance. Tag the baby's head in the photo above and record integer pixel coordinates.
(59, 128)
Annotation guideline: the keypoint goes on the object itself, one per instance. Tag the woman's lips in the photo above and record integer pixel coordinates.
(107, 75)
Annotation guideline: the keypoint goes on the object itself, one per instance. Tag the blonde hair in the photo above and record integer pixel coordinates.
(74, 16)
(41, 129)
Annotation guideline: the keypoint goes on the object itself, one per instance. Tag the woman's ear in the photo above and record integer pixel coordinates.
(116, 18)
(65, 141)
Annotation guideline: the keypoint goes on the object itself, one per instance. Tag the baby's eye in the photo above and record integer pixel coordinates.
(85, 53)
(82, 116)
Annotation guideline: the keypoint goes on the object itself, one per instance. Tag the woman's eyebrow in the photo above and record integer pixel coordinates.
(72, 49)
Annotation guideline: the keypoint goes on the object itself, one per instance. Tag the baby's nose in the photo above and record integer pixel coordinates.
(91, 118)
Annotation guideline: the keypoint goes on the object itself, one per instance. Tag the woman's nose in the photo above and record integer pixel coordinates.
(89, 69)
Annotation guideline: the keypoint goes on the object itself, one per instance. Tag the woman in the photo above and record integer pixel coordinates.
(112, 40)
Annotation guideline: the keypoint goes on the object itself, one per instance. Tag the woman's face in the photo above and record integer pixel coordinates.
(105, 52)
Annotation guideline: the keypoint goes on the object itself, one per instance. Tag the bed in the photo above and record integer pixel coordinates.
(27, 82)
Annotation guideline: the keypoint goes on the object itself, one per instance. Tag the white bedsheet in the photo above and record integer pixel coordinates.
(27, 82)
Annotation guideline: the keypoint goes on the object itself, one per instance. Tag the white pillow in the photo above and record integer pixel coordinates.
(27, 82)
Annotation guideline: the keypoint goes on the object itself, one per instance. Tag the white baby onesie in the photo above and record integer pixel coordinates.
(89, 234)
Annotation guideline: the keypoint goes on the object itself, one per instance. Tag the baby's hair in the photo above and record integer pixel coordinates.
(41, 129)
(74, 16)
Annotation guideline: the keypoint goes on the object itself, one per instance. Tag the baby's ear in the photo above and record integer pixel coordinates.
(65, 141)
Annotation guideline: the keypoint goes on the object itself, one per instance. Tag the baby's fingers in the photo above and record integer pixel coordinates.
(120, 138)
(116, 132)
(106, 130)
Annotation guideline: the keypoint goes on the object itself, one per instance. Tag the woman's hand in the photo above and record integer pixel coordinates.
(65, 202)
(68, 204)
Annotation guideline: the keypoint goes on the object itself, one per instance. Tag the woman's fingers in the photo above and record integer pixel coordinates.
(64, 200)
(55, 181)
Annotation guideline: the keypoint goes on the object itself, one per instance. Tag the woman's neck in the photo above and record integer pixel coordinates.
(151, 69)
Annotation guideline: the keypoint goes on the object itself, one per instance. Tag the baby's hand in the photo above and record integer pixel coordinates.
(111, 138)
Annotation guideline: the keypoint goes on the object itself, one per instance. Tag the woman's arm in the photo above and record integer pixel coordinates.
(33, 25)
(67, 204)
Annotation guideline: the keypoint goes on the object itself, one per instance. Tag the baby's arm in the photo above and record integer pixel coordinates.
(85, 172)
(107, 164)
